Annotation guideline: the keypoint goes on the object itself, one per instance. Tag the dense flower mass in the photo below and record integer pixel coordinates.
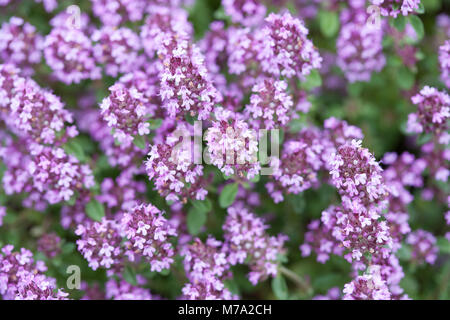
(232, 149)
(100, 243)
(69, 52)
(395, 7)
(444, 60)
(433, 111)
(285, 48)
(359, 47)
(22, 278)
(126, 111)
(171, 166)
(232, 146)
(148, 233)
(206, 267)
(247, 241)
(20, 44)
(116, 49)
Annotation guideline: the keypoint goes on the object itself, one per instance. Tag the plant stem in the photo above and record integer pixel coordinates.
(299, 281)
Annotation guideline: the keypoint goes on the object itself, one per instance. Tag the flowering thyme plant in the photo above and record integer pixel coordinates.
(224, 149)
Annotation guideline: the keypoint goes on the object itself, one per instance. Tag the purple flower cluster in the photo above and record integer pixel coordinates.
(247, 242)
(286, 50)
(232, 145)
(271, 104)
(392, 8)
(305, 154)
(433, 111)
(359, 46)
(126, 111)
(22, 278)
(173, 171)
(185, 83)
(70, 54)
(100, 243)
(49, 244)
(117, 49)
(20, 44)
(122, 290)
(148, 234)
(423, 246)
(246, 12)
(206, 268)
(444, 61)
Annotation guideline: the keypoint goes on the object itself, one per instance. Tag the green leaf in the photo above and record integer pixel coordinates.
(155, 123)
(417, 24)
(228, 195)
(404, 253)
(328, 23)
(313, 80)
(129, 276)
(68, 247)
(399, 22)
(139, 141)
(444, 245)
(405, 78)
(74, 148)
(202, 205)
(421, 8)
(195, 220)
(279, 287)
(95, 210)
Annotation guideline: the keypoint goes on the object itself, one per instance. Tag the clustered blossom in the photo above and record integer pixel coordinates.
(247, 12)
(149, 234)
(116, 12)
(356, 225)
(20, 44)
(49, 244)
(117, 49)
(124, 155)
(206, 267)
(69, 53)
(122, 290)
(100, 243)
(247, 241)
(392, 8)
(271, 104)
(31, 111)
(297, 168)
(126, 111)
(319, 239)
(95, 114)
(305, 155)
(232, 146)
(433, 111)
(37, 287)
(403, 171)
(160, 24)
(120, 194)
(359, 48)
(2, 214)
(367, 287)
(286, 50)
(444, 60)
(43, 172)
(185, 83)
(56, 174)
(173, 171)
(23, 278)
(423, 246)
